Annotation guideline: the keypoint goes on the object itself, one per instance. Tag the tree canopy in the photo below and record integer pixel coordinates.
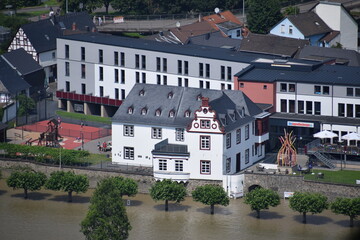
(262, 15)
(168, 190)
(347, 206)
(304, 202)
(27, 180)
(68, 182)
(126, 186)
(211, 195)
(261, 198)
(106, 218)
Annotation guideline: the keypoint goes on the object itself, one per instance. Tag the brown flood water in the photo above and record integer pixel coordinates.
(47, 215)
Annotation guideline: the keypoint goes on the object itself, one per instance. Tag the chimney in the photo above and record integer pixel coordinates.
(205, 102)
(74, 26)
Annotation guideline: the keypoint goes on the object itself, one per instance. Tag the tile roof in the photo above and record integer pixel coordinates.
(215, 39)
(22, 61)
(184, 32)
(10, 80)
(221, 17)
(226, 103)
(271, 44)
(309, 24)
(42, 34)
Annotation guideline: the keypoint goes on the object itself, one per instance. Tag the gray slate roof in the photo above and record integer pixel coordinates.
(341, 56)
(271, 44)
(42, 34)
(227, 104)
(164, 148)
(10, 80)
(316, 73)
(309, 24)
(22, 61)
(215, 39)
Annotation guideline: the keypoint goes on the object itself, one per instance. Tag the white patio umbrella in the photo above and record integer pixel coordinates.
(351, 136)
(325, 134)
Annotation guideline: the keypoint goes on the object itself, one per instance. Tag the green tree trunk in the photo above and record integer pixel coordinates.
(304, 217)
(166, 205)
(258, 213)
(25, 193)
(70, 196)
(212, 207)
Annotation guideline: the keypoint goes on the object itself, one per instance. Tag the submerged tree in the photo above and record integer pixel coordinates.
(27, 180)
(168, 190)
(126, 186)
(211, 195)
(261, 198)
(106, 218)
(347, 206)
(308, 202)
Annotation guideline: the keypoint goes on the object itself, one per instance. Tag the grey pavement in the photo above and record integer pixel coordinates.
(92, 146)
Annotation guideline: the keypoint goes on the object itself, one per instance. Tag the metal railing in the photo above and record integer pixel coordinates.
(324, 160)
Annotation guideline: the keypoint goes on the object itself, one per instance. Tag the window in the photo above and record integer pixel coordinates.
(67, 51)
(228, 140)
(357, 92)
(308, 107)
(101, 73)
(228, 165)
(291, 106)
(282, 28)
(172, 113)
(222, 71)
(238, 33)
(101, 91)
(162, 165)
(179, 82)
(143, 111)
(317, 108)
(186, 82)
(205, 167)
(349, 92)
(187, 113)
(326, 90)
(290, 29)
(53, 55)
(283, 105)
(128, 153)
(158, 112)
(223, 86)
(201, 84)
(158, 64)
(229, 86)
(186, 67)
(137, 77)
(238, 136)
(229, 74)
(247, 156)
(67, 86)
(83, 88)
(301, 107)
(317, 89)
(179, 165)
(158, 77)
(252, 150)
(101, 56)
(207, 70)
(67, 69)
(357, 111)
(350, 110)
(205, 124)
(83, 71)
(247, 132)
(129, 130)
(241, 85)
(179, 67)
(156, 133)
(130, 110)
(291, 87)
(116, 74)
(265, 87)
(122, 93)
(143, 75)
(179, 134)
(207, 85)
(116, 93)
(137, 61)
(122, 59)
(283, 87)
(201, 69)
(165, 80)
(82, 53)
(122, 76)
(341, 110)
(116, 58)
(143, 61)
(204, 142)
(164, 65)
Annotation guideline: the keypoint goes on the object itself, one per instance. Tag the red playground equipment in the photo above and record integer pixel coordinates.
(49, 138)
(286, 156)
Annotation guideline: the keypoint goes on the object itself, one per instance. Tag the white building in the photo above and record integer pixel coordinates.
(189, 133)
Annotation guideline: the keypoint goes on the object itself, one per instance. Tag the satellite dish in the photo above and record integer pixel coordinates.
(217, 10)
(178, 24)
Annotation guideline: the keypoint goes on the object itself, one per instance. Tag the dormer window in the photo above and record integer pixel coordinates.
(130, 110)
(143, 111)
(172, 113)
(243, 112)
(142, 92)
(170, 95)
(199, 97)
(158, 112)
(187, 113)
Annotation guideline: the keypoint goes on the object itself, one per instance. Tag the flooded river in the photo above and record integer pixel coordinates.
(47, 215)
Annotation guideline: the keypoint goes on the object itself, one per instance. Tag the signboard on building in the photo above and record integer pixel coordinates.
(78, 107)
(300, 124)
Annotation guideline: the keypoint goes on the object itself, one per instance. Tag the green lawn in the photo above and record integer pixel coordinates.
(33, 14)
(90, 118)
(96, 158)
(340, 176)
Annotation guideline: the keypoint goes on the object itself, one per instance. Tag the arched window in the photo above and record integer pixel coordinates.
(172, 113)
(143, 111)
(130, 110)
(199, 97)
(158, 112)
(142, 92)
(187, 113)
(170, 95)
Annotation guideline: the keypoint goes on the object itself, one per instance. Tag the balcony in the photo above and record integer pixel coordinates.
(175, 176)
(262, 138)
(87, 98)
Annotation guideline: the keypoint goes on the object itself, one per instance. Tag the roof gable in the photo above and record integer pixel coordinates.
(221, 17)
(11, 82)
(22, 61)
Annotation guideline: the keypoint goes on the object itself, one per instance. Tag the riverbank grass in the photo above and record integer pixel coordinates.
(94, 159)
(340, 176)
(90, 118)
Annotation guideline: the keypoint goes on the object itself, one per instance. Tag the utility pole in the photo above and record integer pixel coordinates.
(67, 7)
